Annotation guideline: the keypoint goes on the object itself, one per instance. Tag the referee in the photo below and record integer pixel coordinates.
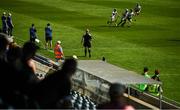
(86, 40)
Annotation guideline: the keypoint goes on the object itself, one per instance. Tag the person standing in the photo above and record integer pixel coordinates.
(10, 24)
(4, 23)
(86, 40)
(32, 32)
(58, 52)
(48, 35)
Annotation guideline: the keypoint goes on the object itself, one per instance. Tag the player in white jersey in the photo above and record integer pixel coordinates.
(137, 9)
(113, 18)
(129, 17)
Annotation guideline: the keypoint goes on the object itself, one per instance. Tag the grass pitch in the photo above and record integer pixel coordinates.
(153, 40)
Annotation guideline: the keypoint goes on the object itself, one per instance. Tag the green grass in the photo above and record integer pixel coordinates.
(153, 40)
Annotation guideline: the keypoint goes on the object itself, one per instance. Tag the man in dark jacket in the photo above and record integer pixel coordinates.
(86, 40)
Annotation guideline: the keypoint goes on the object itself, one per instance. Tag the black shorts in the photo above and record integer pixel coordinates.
(87, 44)
(48, 39)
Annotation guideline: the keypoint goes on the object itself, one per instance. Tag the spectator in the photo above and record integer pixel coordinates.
(3, 46)
(5, 40)
(10, 24)
(4, 23)
(56, 86)
(117, 100)
(59, 55)
(27, 67)
(5, 77)
(48, 36)
(86, 40)
(33, 34)
(14, 55)
(143, 87)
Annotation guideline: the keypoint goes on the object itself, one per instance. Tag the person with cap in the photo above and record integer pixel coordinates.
(155, 88)
(86, 40)
(48, 35)
(33, 34)
(58, 52)
(10, 24)
(117, 100)
(4, 23)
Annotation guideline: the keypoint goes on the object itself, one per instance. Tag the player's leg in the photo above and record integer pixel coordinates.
(50, 41)
(89, 50)
(129, 22)
(122, 19)
(46, 44)
(85, 51)
(123, 23)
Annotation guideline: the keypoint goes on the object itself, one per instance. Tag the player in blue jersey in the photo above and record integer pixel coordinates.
(4, 23)
(10, 24)
(32, 32)
(48, 36)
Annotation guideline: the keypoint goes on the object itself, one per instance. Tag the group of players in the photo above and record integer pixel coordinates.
(126, 16)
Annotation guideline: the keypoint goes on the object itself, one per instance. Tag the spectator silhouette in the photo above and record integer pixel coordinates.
(27, 78)
(4, 74)
(29, 51)
(14, 55)
(117, 100)
(55, 86)
(3, 46)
